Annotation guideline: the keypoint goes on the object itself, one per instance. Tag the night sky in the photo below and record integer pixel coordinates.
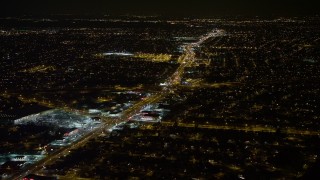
(161, 7)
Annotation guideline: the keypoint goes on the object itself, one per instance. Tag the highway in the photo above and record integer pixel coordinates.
(107, 124)
(186, 60)
(189, 56)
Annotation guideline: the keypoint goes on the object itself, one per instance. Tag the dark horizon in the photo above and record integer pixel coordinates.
(175, 8)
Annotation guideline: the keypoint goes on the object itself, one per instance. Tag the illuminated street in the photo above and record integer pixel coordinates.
(136, 97)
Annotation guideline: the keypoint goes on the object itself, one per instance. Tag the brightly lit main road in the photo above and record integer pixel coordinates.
(186, 60)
